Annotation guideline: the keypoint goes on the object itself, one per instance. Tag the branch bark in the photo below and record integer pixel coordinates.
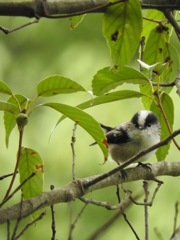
(64, 8)
(75, 189)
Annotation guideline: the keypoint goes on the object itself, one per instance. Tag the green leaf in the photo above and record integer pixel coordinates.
(54, 85)
(147, 90)
(8, 107)
(75, 21)
(85, 120)
(4, 88)
(9, 123)
(122, 28)
(110, 97)
(107, 79)
(158, 50)
(155, 49)
(169, 111)
(30, 162)
(148, 25)
(173, 63)
(9, 119)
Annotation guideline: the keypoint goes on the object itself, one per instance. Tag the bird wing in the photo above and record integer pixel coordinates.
(117, 136)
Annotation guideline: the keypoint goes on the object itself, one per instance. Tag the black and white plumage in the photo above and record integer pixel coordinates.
(129, 138)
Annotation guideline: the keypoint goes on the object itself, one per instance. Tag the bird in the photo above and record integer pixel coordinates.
(129, 138)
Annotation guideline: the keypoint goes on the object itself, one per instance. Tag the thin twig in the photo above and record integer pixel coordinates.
(150, 203)
(146, 191)
(18, 220)
(73, 224)
(73, 140)
(8, 230)
(107, 205)
(17, 189)
(176, 216)
(130, 225)
(101, 230)
(154, 20)
(172, 20)
(120, 205)
(160, 105)
(118, 193)
(7, 31)
(142, 44)
(171, 84)
(53, 224)
(7, 175)
(30, 224)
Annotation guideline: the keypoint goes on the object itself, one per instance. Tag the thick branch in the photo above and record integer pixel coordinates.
(47, 8)
(50, 8)
(75, 190)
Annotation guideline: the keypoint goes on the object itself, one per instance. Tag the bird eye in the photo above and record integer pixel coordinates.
(148, 125)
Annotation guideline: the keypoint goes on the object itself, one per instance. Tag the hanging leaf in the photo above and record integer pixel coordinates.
(122, 28)
(75, 21)
(107, 79)
(30, 162)
(158, 50)
(85, 121)
(54, 85)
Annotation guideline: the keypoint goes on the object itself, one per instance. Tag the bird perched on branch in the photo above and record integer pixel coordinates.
(129, 138)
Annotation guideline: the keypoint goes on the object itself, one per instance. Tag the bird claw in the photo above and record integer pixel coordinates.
(123, 175)
(145, 165)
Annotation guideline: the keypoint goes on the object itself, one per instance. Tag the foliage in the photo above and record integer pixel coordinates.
(142, 53)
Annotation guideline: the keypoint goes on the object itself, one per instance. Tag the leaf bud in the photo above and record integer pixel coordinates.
(22, 120)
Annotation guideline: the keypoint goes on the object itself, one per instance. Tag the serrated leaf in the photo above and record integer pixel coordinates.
(54, 85)
(5, 89)
(9, 119)
(169, 111)
(31, 161)
(76, 20)
(122, 28)
(85, 120)
(107, 79)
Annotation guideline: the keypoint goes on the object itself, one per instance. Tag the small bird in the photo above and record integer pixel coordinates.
(129, 138)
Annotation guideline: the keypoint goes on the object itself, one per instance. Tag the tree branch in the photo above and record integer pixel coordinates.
(75, 189)
(48, 8)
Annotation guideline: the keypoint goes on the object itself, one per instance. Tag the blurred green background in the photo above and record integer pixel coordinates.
(50, 47)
